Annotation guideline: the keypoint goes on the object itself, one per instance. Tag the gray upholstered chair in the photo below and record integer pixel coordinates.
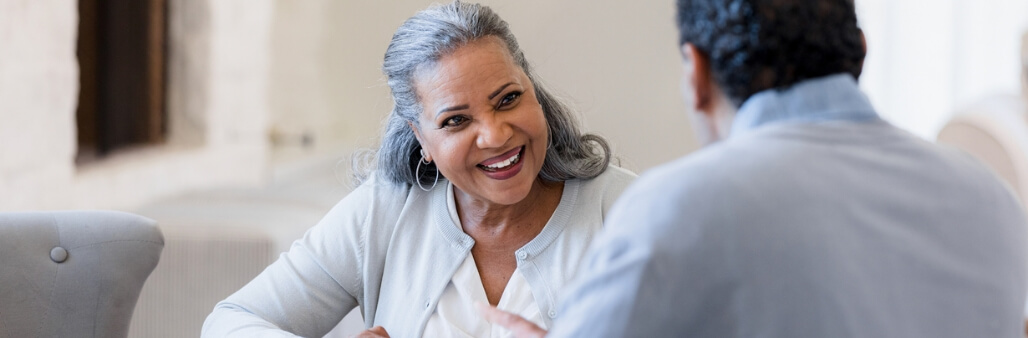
(73, 273)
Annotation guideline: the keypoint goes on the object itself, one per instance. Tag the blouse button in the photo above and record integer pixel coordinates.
(553, 314)
(522, 255)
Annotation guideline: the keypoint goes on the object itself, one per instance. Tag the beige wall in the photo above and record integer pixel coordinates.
(218, 67)
(38, 87)
(617, 63)
(241, 71)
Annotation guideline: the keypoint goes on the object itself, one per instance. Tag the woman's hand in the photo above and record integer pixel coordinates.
(522, 328)
(375, 332)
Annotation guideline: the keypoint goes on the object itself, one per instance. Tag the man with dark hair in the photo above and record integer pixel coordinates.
(807, 215)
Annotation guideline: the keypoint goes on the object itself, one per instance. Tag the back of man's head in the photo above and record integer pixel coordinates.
(755, 45)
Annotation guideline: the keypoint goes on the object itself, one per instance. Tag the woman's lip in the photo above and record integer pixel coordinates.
(501, 158)
(507, 173)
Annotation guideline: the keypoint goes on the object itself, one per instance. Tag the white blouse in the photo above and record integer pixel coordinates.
(456, 316)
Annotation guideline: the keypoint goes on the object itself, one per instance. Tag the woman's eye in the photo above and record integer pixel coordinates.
(454, 121)
(509, 99)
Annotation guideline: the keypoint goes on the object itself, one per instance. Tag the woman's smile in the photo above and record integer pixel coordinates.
(504, 166)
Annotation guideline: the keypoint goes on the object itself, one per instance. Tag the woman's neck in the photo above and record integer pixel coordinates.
(484, 220)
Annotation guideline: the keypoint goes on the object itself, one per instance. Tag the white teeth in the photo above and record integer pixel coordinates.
(504, 163)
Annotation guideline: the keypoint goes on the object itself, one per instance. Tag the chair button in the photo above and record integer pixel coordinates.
(58, 255)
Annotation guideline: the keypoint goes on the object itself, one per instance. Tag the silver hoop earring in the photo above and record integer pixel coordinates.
(417, 173)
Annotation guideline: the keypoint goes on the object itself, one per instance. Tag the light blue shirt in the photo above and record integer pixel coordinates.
(814, 219)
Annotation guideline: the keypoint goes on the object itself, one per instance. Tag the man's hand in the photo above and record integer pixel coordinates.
(522, 328)
(375, 332)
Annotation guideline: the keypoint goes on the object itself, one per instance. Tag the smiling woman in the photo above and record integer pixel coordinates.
(485, 191)
(481, 122)
(420, 44)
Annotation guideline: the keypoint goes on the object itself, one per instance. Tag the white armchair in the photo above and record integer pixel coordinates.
(996, 132)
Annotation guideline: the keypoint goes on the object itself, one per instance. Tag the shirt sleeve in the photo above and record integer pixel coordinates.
(309, 289)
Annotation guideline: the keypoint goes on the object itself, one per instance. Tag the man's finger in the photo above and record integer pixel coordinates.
(375, 332)
(522, 328)
(380, 330)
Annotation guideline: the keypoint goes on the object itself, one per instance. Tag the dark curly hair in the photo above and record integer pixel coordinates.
(755, 45)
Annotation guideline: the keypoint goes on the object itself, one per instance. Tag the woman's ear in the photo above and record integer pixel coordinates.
(417, 135)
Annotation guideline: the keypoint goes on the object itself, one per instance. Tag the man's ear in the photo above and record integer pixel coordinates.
(699, 78)
(863, 44)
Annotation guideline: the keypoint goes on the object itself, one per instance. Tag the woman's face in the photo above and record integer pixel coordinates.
(482, 124)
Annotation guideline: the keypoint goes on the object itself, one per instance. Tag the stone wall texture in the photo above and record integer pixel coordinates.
(218, 108)
(38, 94)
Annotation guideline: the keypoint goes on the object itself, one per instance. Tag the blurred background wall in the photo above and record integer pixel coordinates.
(255, 86)
(616, 62)
(929, 59)
(111, 104)
(251, 87)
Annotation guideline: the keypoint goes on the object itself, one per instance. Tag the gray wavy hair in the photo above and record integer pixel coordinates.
(424, 39)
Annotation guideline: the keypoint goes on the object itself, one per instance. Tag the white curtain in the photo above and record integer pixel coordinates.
(929, 58)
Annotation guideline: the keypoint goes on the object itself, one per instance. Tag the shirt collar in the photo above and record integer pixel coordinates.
(830, 98)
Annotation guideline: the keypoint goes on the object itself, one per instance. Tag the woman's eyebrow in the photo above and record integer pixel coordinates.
(460, 107)
(497, 92)
(465, 106)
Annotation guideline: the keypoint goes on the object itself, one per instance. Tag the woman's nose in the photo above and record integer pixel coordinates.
(494, 133)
